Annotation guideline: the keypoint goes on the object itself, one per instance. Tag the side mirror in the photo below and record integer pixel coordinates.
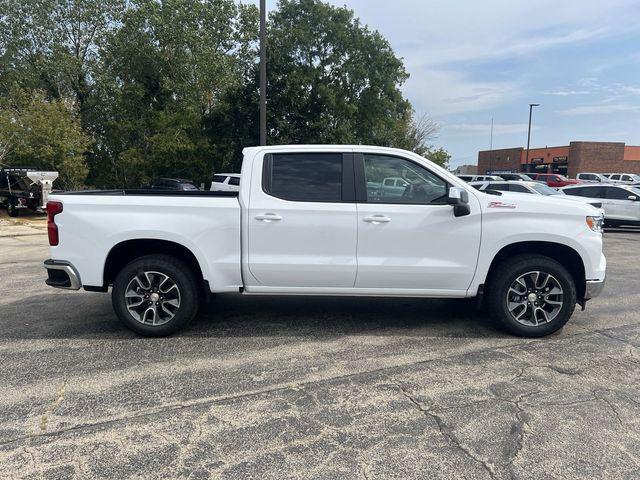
(459, 199)
(633, 198)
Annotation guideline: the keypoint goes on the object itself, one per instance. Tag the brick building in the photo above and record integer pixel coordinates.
(598, 157)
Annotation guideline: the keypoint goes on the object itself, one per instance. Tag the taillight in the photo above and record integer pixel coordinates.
(53, 208)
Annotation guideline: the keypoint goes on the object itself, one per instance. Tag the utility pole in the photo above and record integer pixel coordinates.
(531, 105)
(263, 72)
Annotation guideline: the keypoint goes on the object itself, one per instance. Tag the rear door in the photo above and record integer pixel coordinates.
(302, 221)
(412, 241)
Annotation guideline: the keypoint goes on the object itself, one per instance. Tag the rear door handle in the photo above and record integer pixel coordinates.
(269, 217)
(376, 219)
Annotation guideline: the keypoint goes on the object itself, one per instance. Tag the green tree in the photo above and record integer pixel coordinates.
(166, 70)
(52, 45)
(331, 79)
(439, 156)
(46, 134)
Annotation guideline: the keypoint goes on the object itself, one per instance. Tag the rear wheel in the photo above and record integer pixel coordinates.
(531, 295)
(156, 295)
(12, 210)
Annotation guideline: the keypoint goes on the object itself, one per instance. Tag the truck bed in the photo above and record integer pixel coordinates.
(94, 222)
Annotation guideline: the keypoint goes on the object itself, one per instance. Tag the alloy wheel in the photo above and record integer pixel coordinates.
(535, 298)
(152, 298)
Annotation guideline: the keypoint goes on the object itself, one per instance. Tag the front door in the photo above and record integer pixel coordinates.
(617, 204)
(408, 238)
(302, 222)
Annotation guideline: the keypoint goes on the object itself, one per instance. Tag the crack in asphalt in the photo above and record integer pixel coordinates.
(293, 386)
(447, 432)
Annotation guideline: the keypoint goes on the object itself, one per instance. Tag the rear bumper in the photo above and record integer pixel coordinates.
(593, 288)
(62, 274)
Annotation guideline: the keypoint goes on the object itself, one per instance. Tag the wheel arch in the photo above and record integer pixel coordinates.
(563, 254)
(126, 251)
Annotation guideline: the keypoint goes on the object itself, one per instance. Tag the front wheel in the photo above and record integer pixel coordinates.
(155, 295)
(531, 295)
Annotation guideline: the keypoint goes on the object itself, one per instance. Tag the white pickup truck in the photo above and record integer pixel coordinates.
(319, 220)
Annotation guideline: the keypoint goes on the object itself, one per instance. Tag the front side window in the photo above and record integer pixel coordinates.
(415, 185)
(518, 188)
(304, 177)
(614, 193)
(219, 178)
(235, 181)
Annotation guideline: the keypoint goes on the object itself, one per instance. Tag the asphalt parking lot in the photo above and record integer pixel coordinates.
(313, 388)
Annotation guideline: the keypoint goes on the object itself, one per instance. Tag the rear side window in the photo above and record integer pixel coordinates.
(591, 192)
(234, 181)
(502, 187)
(219, 178)
(615, 177)
(304, 177)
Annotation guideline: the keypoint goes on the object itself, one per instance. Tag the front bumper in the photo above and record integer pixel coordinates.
(62, 275)
(593, 288)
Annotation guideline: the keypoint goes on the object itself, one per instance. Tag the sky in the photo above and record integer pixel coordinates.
(473, 60)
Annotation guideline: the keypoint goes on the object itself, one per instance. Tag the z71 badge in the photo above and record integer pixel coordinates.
(500, 205)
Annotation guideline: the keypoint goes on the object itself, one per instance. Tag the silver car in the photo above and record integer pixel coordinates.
(621, 203)
(535, 188)
(479, 178)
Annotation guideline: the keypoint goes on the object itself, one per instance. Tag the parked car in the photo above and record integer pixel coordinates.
(534, 188)
(523, 177)
(624, 178)
(225, 182)
(555, 180)
(306, 222)
(25, 188)
(621, 203)
(591, 177)
(173, 184)
(479, 178)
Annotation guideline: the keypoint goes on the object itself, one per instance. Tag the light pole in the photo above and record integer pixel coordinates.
(531, 105)
(263, 72)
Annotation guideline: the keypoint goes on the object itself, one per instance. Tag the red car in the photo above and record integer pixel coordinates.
(555, 181)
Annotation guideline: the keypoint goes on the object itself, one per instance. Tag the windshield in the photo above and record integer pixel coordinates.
(543, 189)
(635, 190)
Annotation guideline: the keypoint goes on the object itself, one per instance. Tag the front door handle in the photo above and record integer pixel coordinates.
(269, 217)
(377, 219)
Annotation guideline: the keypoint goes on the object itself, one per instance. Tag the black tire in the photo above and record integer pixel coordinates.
(179, 273)
(507, 272)
(12, 210)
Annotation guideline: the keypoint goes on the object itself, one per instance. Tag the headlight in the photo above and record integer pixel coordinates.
(595, 223)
